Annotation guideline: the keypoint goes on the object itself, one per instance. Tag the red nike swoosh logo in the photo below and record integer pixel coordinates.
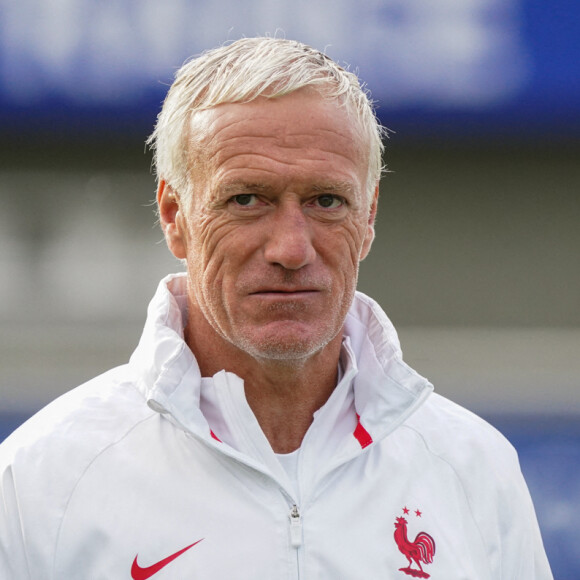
(138, 573)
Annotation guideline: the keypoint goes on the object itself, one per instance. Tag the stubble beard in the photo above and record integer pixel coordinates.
(279, 347)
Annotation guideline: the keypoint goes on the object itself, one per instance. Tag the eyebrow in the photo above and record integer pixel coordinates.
(239, 187)
(340, 187)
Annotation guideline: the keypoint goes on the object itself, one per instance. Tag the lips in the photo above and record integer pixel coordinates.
(291, 284)
(276, 298)
(283, 291)
(281, 295)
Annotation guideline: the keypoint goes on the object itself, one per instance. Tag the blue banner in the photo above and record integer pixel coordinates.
(490, 66)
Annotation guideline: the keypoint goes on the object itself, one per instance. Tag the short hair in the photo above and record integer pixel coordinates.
(243, 71)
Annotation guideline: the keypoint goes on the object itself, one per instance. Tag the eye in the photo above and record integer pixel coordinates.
(245, 199)
(329, 201)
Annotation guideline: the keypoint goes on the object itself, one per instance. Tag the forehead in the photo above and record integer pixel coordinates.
(301, 128)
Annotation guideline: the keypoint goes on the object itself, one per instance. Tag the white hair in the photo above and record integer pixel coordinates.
(242, 71)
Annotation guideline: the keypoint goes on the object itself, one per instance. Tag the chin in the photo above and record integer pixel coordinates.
(280, 347)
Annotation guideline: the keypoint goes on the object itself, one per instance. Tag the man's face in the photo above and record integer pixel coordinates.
(278, 222)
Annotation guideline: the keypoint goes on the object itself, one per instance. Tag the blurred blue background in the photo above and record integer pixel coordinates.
(487, 66)
(476, 256)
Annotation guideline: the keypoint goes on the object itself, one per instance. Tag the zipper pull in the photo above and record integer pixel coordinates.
(295, 527)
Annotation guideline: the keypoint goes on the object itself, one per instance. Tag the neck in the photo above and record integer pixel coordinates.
(284, 398)
(283, 394)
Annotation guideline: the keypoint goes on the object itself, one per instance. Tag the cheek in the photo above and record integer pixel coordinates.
(205, 255)
(340, 252)
(352, 245)
(219, 253)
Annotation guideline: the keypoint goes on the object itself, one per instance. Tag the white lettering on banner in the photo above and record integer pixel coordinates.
(413, 52)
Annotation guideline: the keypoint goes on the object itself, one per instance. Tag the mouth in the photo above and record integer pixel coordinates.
(285, 293)
(277, 293)
(284, 290)
(284, 304)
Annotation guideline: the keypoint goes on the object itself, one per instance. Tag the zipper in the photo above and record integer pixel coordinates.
(296, 535)
(295, 527)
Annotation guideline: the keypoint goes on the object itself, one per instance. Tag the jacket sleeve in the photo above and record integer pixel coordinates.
(499, 501)
(30, 505)
(522, 549)
(504, 512)
(13, 561)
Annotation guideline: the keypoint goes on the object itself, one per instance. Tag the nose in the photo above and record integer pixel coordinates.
(289, 239)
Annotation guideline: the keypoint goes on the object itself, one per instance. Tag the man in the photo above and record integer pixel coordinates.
(266, 427)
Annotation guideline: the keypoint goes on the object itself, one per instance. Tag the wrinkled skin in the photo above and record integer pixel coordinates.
(278, 222)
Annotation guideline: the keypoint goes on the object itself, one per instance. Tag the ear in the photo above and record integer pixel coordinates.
(370, 232)
(171, 219)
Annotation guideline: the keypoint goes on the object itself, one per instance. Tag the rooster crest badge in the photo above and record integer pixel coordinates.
(421, 549)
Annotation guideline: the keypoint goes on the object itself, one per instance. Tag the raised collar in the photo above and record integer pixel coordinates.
(386, 389)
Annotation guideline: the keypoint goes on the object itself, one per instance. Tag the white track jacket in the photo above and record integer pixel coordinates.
(151, 471)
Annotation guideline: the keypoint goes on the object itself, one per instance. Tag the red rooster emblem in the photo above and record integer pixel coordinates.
(422, 549)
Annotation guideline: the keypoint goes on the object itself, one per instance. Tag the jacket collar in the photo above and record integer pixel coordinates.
(166, 371)
(386, 389)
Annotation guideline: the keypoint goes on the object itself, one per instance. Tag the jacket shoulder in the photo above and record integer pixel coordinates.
(67, 434)
(43, 461)
(483, 461)
(456, 434)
